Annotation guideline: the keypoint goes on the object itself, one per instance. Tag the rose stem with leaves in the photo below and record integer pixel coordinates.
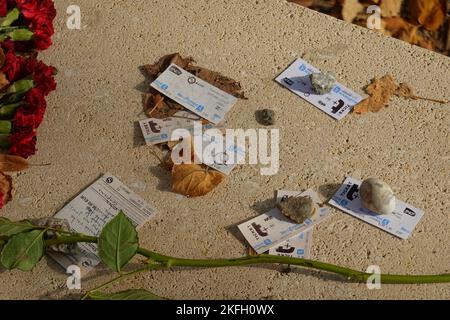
(118, 244)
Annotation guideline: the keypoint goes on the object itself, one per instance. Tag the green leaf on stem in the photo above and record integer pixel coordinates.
(21, 34)
(9, 228)
(134, 295)
(23, 251)
(10, 17)
(118, 242)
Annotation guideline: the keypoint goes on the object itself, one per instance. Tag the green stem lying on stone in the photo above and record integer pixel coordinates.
(350, 274)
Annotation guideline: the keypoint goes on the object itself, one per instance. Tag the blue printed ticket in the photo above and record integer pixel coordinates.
(272, 229)
(194, 94)
(401, 223)
(337, 104)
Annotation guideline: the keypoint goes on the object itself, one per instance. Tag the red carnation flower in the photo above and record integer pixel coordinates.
(13, 67)
(23, 143)
(3, 8)
(32, 113)
(43, 78)
(46, 8)
(27, 8)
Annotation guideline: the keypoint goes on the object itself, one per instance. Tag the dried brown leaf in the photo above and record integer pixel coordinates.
(428, 13)
(5, 189)
(159, 107)
(350, 10)
(380, 92)
(391, 8)
(10, 163)
(305, 3)
(2, 57)
(3, 81)
(195, 180)
(405, 90)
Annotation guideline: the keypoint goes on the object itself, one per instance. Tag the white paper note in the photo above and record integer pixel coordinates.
(337, 104)
(92, 209)
(194, 94)
(273, 228)
(401, 223)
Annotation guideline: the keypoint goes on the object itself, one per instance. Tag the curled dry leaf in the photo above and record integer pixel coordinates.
(428, 13)
(195, 180)
(159, 107)
(5, 189)
(9, 163)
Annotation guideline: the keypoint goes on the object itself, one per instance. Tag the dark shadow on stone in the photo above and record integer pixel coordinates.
(164, 177)
(264, 206)
(138, 138)
(144, 86)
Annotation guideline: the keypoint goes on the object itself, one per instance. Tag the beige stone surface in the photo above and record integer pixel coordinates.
(90, 129)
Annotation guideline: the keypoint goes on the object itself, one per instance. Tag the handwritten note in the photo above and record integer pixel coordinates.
(92, 209)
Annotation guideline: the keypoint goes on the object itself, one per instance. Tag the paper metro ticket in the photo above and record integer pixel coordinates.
(272, 228)
(337, 104)
(194, 94)
(401, 223)
(156, 131)
(296, 247)
(92, 209)
(220, 154)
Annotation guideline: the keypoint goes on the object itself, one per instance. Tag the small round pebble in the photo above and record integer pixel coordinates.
(266, 117)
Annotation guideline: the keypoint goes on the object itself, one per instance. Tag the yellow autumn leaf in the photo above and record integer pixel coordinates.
(195, 180)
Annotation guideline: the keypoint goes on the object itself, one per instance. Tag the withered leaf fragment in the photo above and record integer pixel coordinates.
(10, 163)
(380, 92)
(428, 13)
(3, 81)
(2, 57)
(194, 180)
(5, 189)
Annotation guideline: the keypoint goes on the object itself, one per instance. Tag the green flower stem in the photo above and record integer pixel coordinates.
(22, 34)
(350, 274)
(4, 141)
(5, 126)
(121, 277)
(5, 30)
(7, 111)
